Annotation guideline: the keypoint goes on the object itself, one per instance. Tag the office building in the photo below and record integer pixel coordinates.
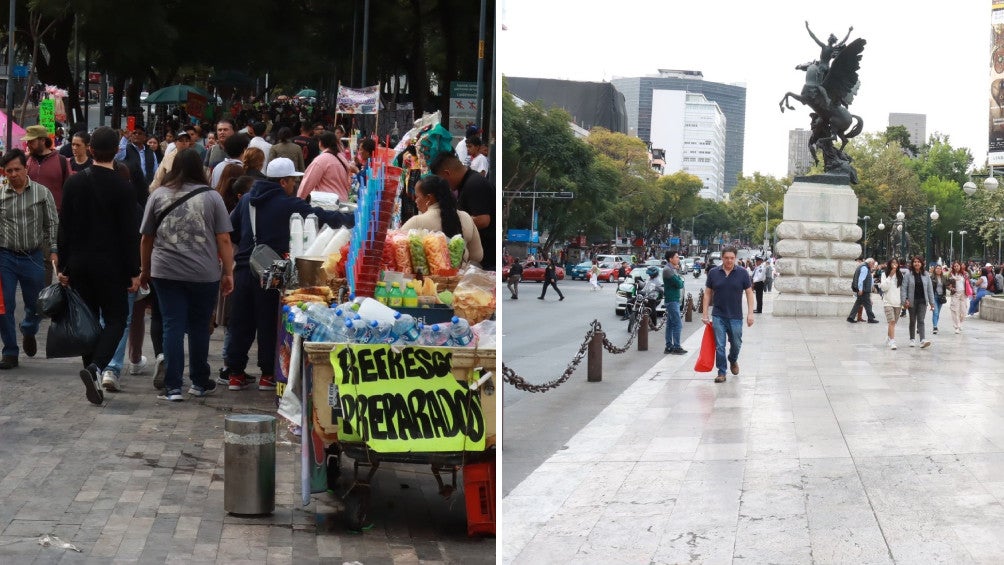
(590, 104)
(915, 124)
(731, 100)
(799, 154)
(690, 130)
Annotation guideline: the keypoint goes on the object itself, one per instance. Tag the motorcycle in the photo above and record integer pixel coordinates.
(697, 270)
(636, 301)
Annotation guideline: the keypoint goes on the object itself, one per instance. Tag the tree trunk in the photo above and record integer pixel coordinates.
(57, 70)
(418, 80)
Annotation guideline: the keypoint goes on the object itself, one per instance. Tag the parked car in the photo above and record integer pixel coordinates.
(609, 272)
(580, 271)
(535, 271)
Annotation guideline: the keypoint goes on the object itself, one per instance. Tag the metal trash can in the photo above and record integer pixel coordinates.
(249, 464)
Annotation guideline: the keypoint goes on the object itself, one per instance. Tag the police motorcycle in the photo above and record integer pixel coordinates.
(632, 300)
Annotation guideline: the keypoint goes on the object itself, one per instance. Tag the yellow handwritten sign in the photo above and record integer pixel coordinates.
(405, 400)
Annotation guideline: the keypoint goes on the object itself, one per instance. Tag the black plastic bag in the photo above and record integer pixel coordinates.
(75, 332)
(52, 301)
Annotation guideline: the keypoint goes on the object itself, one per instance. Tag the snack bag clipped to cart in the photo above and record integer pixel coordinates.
(402, 251)
(416, 245)
(474, 297)
(457, 247)
(437, 254)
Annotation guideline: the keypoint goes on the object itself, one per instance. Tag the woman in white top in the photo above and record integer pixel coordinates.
(891, 282)
(439, 213)
(957, 295)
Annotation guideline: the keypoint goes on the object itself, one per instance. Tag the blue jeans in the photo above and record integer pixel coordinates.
(733, 329)
(974, 303)
(674, 325)
(937, 312)
(115, 365)
(186, 307)
(29, 271)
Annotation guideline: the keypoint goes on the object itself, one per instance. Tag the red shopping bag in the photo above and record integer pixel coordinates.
(706, 359)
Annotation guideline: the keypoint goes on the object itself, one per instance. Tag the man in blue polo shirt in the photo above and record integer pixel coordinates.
(725, 288)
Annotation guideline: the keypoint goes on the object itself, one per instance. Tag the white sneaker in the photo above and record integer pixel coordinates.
(138, 368)
(892, 344)
(926, 343)
(913, 343)
(958, 330)
(109, 381)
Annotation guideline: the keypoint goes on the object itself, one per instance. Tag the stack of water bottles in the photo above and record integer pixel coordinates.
(367, 321)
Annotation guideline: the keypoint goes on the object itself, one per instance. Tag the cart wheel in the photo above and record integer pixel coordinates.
(333, 465)
(357, 502)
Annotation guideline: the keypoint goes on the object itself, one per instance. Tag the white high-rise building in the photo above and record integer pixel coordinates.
(915, 124)
(691, 130)
(799, 155)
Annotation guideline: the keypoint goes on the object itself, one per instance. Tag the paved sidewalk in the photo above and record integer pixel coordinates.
(141, 480)
(828, 448)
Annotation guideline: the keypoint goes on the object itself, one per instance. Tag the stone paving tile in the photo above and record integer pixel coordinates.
(828, 448)
(139, 480)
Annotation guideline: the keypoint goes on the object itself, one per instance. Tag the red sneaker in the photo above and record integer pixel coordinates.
(239, 381)
(266, 382)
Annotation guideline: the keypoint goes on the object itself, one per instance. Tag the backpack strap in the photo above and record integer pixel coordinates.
(176, 203)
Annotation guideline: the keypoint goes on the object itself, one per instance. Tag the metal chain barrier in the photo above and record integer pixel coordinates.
(510, 376)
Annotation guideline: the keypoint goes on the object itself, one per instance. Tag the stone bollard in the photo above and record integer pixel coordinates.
(700, 301)
(689, 313)
(249, 464)
(643, 332)
(594, 363)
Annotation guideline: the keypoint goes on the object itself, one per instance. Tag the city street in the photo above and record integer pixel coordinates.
(540, 338)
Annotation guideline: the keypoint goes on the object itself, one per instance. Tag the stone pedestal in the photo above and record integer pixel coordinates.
(817, 246)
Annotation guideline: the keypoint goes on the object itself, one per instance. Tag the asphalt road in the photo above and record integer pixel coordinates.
(541, 338)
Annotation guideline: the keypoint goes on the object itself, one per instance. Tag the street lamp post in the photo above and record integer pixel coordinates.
(1000, 226)
(881, 228)
(900, 220)
(951, 246)
(932, 216)
(865, 236)
(962, 247)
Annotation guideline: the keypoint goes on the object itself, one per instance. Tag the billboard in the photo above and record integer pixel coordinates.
(995, 153)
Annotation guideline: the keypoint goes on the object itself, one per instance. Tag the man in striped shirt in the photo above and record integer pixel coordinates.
(27, 218)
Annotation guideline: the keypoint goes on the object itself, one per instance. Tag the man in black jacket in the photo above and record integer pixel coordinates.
(550, 278)
(98, 242)
(142, 163)
(861, 285)
(515, 275)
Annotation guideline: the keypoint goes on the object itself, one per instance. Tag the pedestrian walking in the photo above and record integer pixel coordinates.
(959, 293)
(185, 232)
(594, 276)
(941, 281)
(551, 279)
(98, 243)
(515, 275)
(29, 218)
(861, 286)
(724, 289)
(917, 295)
(769, 274)
(759, 283)
(890, 285)
(672, 284)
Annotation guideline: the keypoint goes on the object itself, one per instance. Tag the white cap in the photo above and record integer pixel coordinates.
(988, 265)
(281, 168)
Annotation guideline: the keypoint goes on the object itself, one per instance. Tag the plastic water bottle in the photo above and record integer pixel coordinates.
(295, 236)
(381, 332)
(434, 335)
(485, 331)
(321, 313)
(460, 332)
(300, 323)
(356, 331)
(405, 328)
(346, 306)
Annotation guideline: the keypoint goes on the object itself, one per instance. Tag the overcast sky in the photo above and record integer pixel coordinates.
(921, 57)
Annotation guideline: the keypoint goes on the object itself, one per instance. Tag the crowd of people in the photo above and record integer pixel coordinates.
(133, 222)
(911, 290)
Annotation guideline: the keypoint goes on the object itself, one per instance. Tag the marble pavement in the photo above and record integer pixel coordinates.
(827, 448)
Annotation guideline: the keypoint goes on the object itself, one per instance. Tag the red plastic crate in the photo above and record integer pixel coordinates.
(479, 494)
